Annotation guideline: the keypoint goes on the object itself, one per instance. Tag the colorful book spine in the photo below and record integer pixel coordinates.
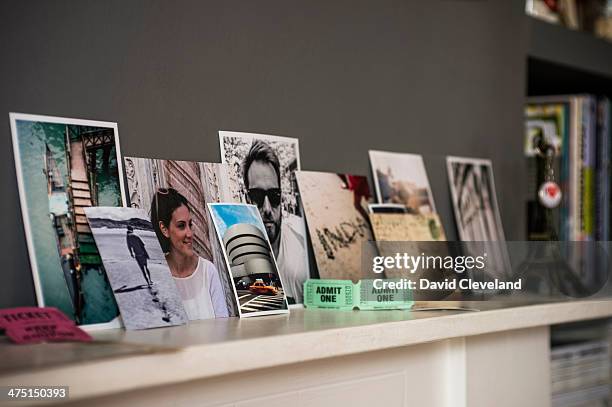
(587, 198)
(575, 165)
(564, 230)
(602, 222)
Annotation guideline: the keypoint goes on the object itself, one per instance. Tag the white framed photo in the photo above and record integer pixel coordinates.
(63, 166)
(173, 193)
(476, 210)
(257, 283)
(401, 178)
(136, 268)
(261, 171)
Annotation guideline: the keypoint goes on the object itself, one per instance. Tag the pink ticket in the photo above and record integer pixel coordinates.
(10, 316)
(33, 325)
(46, 331)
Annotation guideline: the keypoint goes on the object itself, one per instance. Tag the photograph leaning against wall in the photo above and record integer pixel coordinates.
(64, 166)
(174, 194)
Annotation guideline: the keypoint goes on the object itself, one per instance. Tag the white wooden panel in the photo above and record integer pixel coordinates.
(275, 400)
(386, 390)
(501, 369)
(454, 385)
(396, 377)
(509, 369)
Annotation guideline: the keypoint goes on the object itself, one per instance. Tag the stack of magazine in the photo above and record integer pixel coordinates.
(581, 374)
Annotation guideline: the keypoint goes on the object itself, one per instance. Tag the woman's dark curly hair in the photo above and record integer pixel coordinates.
(164, 203)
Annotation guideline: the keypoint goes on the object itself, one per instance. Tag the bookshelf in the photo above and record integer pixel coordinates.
(564, 61)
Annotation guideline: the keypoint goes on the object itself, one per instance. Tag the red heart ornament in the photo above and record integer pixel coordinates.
(549, 195)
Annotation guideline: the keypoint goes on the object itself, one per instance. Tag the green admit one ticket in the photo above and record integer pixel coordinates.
(344, 295)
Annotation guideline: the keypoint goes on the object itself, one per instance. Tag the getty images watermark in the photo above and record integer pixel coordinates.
(486, 270)
(458, 264)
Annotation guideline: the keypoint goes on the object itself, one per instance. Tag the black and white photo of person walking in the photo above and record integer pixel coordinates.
(136, 267)
(138, 251)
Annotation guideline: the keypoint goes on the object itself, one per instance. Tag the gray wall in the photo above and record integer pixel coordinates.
(434, 77)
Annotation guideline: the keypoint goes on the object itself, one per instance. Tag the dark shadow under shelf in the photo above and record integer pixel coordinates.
(569, 49)
(546, 78)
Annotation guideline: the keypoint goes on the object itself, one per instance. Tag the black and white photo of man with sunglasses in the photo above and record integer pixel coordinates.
(262, 180)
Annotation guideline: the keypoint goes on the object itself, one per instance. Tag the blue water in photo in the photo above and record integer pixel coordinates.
(99, 304)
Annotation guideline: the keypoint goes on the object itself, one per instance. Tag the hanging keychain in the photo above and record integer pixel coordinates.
(549, 193)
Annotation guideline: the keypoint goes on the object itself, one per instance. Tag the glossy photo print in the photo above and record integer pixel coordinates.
(476, 211)
(136, 268)
(64, 166)
(262, 172)
(257, 283)
(400, 178)
(336, 212)
(174, 195)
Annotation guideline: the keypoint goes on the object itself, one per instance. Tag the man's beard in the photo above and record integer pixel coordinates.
(272, 228)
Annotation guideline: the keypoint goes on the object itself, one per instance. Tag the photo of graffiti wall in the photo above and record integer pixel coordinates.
(337, 219)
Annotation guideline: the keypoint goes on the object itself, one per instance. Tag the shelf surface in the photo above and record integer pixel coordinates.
(578, 50)
(212, 348)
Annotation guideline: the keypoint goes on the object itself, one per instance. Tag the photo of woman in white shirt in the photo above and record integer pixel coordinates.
(197, 279)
